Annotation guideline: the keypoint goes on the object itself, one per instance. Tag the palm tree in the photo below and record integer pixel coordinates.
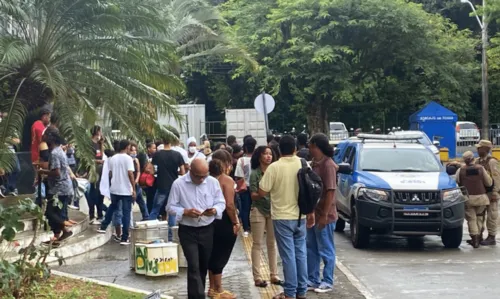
(120, 59)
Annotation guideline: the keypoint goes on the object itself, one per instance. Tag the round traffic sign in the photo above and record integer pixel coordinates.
(259, 103)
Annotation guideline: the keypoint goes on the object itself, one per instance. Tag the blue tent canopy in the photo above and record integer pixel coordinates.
(438, 123)
(433, 112)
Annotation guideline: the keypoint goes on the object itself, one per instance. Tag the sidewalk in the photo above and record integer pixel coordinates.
(110, 263)
(343, 287)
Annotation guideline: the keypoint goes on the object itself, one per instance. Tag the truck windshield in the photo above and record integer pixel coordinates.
(398, 160)
(337, 127)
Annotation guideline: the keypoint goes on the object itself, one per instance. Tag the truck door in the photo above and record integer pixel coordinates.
(344, 181)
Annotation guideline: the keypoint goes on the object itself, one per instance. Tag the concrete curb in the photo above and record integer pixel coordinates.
(106, 284)
(355, 281)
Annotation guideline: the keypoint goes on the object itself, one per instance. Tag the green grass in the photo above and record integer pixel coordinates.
(65, 288)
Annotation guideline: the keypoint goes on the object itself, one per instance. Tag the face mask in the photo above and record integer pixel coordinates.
(192, 149)
(133, 156)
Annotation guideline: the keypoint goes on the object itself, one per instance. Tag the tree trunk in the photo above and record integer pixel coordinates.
(317, 117)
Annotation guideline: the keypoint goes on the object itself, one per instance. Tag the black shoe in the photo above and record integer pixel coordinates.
(65, 235)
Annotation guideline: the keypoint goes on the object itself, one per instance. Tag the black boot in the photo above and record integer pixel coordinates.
(490, 241)
(475, 241)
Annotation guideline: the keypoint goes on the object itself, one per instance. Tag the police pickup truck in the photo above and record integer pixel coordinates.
(387, 185)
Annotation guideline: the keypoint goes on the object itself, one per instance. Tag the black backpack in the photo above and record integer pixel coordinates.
(310, 189)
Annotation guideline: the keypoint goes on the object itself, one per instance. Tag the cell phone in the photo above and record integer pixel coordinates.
(206, 211)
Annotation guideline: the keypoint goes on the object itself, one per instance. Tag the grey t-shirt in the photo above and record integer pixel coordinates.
(59, 185)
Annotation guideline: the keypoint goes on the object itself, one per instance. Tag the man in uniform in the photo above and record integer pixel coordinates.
(491, 165)
(475, 179)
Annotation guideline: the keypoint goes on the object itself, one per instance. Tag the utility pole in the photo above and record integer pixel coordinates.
(484, 70)
(485, 110)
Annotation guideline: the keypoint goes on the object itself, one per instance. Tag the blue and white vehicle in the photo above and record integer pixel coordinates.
(387, 185)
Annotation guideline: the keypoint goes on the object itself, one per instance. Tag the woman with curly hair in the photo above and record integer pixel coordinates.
(260, 218)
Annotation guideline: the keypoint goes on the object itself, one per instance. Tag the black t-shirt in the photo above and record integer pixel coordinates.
(143, 160)
(304, 154)
(167, 163)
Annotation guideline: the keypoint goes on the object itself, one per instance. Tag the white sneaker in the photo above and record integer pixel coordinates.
(101, 231)
(246, 234)
(73, 207)
(95, 222)
(323, 288)
(125, 243)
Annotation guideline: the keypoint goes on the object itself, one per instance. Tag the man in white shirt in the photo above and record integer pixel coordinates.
(183, 152)
(121, 171)
(196, 200)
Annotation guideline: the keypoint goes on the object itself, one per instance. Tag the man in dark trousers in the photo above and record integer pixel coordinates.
(196, 200)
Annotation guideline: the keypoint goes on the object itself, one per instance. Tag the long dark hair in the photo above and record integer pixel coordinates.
(255, 160)
(320, 140)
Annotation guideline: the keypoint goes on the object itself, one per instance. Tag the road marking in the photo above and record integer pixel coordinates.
(355, 281)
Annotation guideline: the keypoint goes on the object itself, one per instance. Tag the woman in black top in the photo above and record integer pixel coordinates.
(226, 229)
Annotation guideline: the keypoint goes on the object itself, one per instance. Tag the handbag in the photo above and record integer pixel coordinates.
(147, 178)
(241, 185)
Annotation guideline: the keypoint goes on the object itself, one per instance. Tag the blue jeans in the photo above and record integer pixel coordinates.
(65, 200)
(321, 246)
(246, 205)
(159, 203)
(291, 240)
(141, 202)
(118, 216)
(161, 198)
(12, 176)
(126, 202)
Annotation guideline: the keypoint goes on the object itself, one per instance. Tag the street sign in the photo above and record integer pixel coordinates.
(266, 99)
(264, 103)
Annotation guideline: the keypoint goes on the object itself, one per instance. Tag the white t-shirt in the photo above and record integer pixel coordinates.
(119, 166)
(244, 169)
(183, 153)
(197, 155)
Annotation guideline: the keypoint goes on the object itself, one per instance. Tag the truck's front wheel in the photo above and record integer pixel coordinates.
(360, 235)
(452, 238)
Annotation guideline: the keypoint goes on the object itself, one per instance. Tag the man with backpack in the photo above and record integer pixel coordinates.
(281, 181)
(320, 242)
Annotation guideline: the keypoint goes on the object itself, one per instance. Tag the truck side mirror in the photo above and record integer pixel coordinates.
(345, 168)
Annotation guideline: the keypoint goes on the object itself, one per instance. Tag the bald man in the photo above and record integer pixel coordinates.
(196, 200)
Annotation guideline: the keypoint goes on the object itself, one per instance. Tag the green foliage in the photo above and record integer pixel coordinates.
(119, 60)
(324, 57)
(19, 277)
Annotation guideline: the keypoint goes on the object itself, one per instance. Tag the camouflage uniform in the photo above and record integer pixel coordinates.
(492, 167)
(475, 179)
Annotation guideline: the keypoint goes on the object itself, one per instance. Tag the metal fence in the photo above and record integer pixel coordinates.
(464, 145)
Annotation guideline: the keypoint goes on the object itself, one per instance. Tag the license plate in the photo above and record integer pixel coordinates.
(415, 211)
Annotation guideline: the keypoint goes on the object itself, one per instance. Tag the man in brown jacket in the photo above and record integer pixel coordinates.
(475, 179)
(491, 165)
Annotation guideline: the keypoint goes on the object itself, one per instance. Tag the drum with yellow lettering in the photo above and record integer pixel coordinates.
(159, 259)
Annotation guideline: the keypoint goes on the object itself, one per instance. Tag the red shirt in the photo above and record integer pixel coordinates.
(36, 138)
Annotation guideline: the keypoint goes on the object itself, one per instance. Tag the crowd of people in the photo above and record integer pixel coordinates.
(257, 187)
(210, 193)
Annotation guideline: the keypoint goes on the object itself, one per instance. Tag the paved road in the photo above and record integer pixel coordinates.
(110, 263)
(393, 268)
